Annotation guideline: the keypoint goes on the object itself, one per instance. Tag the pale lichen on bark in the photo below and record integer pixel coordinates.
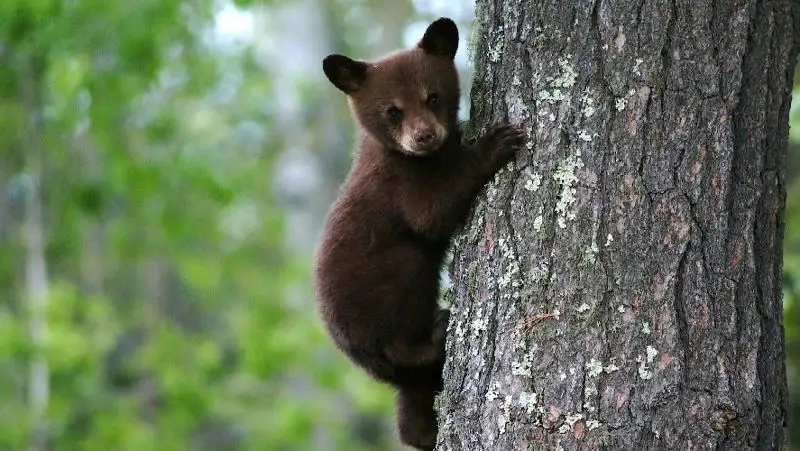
(618, 286)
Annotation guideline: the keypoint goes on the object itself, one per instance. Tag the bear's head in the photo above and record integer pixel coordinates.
(408, 100)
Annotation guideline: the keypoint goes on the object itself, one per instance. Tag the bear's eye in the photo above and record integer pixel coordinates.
(433, 99)
(394, 113)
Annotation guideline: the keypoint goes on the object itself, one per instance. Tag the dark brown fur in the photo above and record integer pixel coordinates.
(411, 186)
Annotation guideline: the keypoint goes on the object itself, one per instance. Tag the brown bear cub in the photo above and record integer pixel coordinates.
(411, 186)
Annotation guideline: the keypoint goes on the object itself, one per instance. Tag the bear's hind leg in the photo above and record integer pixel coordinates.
(416, 417)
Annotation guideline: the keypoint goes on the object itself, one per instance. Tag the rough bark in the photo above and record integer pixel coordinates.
(619, 288)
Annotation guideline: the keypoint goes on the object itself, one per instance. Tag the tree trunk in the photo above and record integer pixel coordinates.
(620, 286)
(30, 76)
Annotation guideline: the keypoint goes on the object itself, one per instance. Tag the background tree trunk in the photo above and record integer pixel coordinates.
(619, 287)
(30, 76)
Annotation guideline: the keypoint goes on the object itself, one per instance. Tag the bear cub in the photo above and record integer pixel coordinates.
(411, 186)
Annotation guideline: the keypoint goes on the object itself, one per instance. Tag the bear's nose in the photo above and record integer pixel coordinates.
(423, 136)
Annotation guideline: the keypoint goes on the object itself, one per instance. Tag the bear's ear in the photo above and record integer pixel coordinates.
(441, 38)
(345, 73)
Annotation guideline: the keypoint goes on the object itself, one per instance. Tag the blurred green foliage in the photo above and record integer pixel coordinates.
(179, 315)
(179, 309)
(791, 266)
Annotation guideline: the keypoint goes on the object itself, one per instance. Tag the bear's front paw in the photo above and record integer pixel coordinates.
(503, 142)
